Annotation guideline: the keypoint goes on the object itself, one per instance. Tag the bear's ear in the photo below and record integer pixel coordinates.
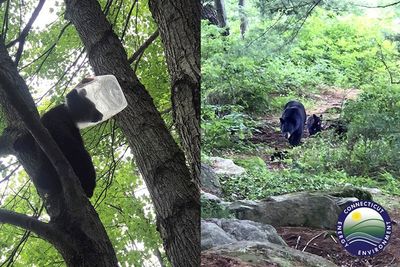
(281, 120)
(320, 116)
(314, 116)
(82, 92)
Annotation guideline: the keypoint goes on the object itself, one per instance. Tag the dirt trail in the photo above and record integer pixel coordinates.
(327, 103)
(332, 98)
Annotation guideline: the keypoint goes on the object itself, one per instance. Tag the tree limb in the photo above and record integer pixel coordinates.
(382, 59)
(380, 6)
(127, 20)
(21, 38)
(7, 177)
(29, 223)
(4, 29)
(143, 47)
(48, 51)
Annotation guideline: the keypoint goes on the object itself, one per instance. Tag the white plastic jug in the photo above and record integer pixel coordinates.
(106, 93)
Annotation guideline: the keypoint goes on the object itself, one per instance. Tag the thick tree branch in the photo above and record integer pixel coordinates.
(21, 38)
(40, 228)
(143, 47)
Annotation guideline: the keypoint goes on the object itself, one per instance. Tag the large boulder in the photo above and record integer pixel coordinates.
(209, 181)
(225, 166)
(316, 210)
(215, 232)
(260, 254)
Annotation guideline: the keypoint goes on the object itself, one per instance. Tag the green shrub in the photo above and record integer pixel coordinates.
(224, 127)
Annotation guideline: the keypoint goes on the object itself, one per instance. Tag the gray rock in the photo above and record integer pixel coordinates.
(216, 232)
(373, 191)
(298, 209)
(267, 254)
(213, 235)
(225, 167)
(344, 202)
(210, 197)
(210, 181)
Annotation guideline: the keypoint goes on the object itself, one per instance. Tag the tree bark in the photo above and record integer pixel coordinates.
(161, 162)
(179, 25)
(243, 18)
(209, 13)
(221, 15)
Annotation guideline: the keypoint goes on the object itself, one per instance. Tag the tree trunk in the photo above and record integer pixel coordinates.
(209, 13)
(174, 194)
(243, 18)
(221, 15)
(179, 25)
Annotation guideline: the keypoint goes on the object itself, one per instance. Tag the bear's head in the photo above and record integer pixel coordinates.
(314, 124)
(81, 108)
(288, 126)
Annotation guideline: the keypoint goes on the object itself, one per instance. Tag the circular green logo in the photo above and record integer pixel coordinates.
(364, 228)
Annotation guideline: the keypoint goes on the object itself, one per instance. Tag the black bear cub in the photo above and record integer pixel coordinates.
(61, 121)
(292, 122)
(314, 124)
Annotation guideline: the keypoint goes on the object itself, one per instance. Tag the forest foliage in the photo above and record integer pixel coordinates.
(246, 80)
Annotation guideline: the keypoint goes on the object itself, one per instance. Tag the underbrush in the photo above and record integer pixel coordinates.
(258, 182)
(225, 127)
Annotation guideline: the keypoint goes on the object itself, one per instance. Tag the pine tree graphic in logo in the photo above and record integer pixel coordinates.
(364, 228)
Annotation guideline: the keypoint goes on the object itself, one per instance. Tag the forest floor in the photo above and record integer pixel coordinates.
(328, 103)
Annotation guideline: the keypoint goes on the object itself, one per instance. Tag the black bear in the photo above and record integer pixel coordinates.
(314, 124)
(61, 121)
(292, 122)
